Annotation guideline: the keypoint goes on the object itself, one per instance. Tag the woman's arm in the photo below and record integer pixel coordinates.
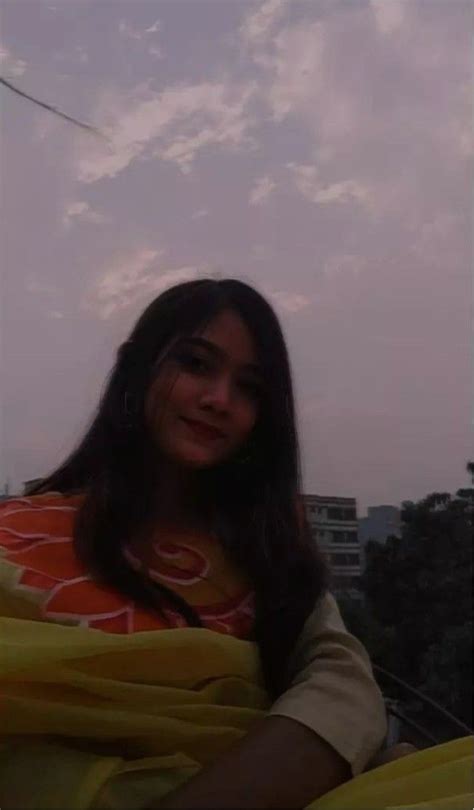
(333, 690)
(279, 764)
(324, 729)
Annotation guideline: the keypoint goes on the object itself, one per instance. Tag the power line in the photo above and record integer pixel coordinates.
(52, 109)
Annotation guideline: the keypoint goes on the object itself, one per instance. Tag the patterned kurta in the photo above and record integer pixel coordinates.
(43, 579)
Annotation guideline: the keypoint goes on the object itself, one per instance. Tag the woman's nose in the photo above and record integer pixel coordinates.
(218, 393)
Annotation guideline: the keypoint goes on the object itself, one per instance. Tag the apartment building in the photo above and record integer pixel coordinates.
(5, 492)
(30, 483)
(381, 522)
(334, 526)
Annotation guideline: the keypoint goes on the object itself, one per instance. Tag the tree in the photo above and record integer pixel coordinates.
(419, 589)
(377, 638)
(449, 662)
(470, 470)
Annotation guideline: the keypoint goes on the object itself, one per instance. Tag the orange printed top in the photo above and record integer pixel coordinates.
(42, 579)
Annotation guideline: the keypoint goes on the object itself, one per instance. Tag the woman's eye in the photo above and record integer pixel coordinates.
(254, 389)
(191, 362)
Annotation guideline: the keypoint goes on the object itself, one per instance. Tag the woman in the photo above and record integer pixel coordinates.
(180, 512)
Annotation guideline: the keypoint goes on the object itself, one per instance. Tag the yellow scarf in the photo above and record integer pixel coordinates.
(91, 719)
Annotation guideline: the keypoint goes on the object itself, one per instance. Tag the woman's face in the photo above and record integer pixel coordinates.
(211, 379)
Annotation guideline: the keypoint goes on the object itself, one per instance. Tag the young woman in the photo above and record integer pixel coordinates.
(170, 638)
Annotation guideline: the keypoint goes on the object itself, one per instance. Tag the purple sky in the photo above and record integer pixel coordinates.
(320, 150)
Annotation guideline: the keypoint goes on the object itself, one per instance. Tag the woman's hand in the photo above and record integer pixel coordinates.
(279, 764)
(390, 754)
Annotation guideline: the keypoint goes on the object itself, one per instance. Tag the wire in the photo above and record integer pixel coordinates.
(424, 698)
(409, 722)
(49, 108)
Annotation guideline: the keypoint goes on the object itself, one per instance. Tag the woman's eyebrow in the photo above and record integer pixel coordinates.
(220, 353)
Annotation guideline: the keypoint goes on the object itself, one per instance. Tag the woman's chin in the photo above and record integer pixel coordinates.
(196, 456)
(197, 461)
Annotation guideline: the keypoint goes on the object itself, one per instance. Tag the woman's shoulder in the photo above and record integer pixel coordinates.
(44, 500)
(49, 511)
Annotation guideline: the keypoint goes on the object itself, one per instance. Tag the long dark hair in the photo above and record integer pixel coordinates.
(258, 512)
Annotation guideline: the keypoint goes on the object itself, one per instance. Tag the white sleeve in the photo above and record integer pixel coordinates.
(333, 690)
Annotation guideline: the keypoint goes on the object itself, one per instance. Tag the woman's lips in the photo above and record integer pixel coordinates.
(203, 431)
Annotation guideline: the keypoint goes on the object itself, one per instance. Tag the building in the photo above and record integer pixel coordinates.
(381, 522)
(32, 482)
(333, 522)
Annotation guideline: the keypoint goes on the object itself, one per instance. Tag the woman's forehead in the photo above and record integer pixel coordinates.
(228, 334)
(243, 361)
(225, 335)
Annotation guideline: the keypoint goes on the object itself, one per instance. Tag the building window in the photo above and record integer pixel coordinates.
(343, 537)
(345, 559)
(340, 513)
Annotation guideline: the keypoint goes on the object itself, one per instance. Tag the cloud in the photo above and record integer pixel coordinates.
(175, 124)
(369, 106)
(183, 148)
(127, 31)
(83, 212)
(120, 284)
(32, 285)
(261, 252)
(306, 179)
(153, 28)
(344, 191)
(258, 24)
(439, 242)
(156, 51)
(200, 213)
(82, 54)
(389, 14)
(289, 301)
(262, 190)
(344, 264)
(10, 67)
(131, 279)
(293, 61)
(77, 55)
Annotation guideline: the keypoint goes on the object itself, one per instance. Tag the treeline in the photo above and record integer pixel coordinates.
(416, 618)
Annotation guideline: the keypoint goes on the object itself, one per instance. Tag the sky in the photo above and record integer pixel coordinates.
(319, 150)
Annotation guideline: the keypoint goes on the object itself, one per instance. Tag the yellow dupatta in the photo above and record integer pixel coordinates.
(100, 720)
(119, 709)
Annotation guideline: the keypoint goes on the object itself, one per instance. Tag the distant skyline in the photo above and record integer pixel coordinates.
(318, 149)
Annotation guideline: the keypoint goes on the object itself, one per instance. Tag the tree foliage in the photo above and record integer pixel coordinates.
(417, 617)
